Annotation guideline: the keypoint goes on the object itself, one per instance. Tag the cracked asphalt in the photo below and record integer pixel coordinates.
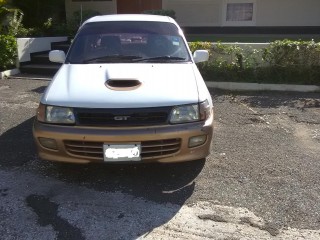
(261, 181)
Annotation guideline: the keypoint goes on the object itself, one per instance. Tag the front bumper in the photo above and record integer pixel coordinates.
(96, 136)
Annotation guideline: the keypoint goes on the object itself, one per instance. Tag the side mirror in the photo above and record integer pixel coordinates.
(57, 56)
(200, 56)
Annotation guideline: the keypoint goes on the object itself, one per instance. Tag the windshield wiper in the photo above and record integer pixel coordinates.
(112, 58)
(159, 58)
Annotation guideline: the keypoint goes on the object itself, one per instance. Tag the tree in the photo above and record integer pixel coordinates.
(5, 10)
(37, 12)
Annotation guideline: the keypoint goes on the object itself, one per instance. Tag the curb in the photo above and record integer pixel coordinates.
(32, 78)
(9, 73)
(235, 86)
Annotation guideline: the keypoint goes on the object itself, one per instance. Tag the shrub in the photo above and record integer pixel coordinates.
(16, 28)
(200, 45)
(295, 62)
(289, 53)
(164, 12)
(38, 12)
(8, 52)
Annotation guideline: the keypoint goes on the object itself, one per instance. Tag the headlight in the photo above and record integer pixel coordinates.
(59, 115)
(185, 113)
(54, 114)
(191, 113)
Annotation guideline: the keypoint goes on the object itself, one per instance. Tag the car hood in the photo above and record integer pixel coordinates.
(83, 85)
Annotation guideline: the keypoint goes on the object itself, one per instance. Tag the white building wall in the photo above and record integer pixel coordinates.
(288, 12)
(212, 12)
(196, 12)
(267, 12)
(26, 46)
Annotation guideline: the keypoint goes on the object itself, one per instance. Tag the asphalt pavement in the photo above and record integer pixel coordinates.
(261, 181)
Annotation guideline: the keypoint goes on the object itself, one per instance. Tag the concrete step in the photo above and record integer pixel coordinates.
(40, 63)
(64, 46)
(40, 58)
(43, 69)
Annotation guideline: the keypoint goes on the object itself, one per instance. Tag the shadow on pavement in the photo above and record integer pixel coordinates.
(16, 145)
(162, 183)
(157, 182)
(142, 183)
(135, 200)
(39, 89)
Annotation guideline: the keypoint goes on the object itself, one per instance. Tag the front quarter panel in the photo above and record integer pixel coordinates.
(203, 91)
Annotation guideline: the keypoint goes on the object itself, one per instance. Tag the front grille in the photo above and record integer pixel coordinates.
(149, 149)
(122, 117)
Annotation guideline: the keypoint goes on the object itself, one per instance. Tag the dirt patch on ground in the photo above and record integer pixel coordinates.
(307, 138)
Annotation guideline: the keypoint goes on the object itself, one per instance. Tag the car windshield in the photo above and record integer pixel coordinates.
(128, 41)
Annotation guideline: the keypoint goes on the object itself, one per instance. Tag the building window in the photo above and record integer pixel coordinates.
(239, 12)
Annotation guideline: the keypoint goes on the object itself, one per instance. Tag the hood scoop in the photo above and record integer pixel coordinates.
(123, 84)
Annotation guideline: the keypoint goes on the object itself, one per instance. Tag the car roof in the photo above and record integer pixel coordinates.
(130, 17)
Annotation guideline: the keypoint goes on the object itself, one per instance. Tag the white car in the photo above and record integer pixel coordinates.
(127, 82)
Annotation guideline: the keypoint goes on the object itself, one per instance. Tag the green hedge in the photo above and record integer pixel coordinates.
(8, 52)
(290, 62)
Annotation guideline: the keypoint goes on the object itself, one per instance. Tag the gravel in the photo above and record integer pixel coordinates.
(261, 180)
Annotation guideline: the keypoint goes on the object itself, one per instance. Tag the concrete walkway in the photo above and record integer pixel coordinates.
(235, 86)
